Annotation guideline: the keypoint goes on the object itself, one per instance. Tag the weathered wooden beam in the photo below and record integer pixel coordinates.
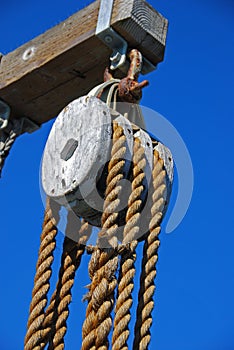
(39, 78)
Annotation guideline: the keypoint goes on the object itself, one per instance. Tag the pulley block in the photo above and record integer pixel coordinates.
(78, 151)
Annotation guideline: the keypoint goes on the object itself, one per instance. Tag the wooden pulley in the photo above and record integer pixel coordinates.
(78, 150)
(76, 154)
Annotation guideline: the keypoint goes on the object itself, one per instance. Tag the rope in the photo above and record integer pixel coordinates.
(128, 256)
(57, 313)
(150, 258)
(47, 328)
(108, 235)
(42, 277)
(88, 329)
(102, 269)
(7, 145)
(104, 261)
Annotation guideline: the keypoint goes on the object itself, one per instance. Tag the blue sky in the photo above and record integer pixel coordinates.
(193, 89)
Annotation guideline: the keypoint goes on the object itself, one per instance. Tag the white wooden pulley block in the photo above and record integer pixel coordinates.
(76, 154)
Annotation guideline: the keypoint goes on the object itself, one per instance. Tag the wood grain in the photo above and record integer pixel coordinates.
(41, 77)
(86, 121)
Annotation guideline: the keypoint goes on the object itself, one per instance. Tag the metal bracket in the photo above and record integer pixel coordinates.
(24, 124)
(109, 36)
(28, 125)
(10, 130)
(115, 41)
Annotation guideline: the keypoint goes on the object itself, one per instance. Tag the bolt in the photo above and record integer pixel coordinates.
(29, 53)
(108, 39)
(116, 57)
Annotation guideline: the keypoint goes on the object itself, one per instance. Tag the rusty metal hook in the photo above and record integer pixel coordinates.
(130, 90)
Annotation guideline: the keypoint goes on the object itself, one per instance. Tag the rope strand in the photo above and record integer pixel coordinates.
(41, 281)
(104, 261)
(150, 258)
(128, 256)
(58, 310)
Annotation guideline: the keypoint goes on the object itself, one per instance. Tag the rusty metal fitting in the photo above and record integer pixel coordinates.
(130, 90)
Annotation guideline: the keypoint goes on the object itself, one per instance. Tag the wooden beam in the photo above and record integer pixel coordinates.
(41, 77)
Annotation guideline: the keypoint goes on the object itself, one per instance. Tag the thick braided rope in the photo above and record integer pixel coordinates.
(150, 258)
(41, 281)
(102, 295)
(128, 256)
(104, 262)
(88, 329)
(55, 324)
(6, 148)
(113, 188)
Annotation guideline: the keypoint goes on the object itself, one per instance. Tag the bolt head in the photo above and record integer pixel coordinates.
(108, 39)
(29, 53)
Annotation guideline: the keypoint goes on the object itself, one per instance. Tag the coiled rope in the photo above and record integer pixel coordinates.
(128, 255)
(150, 258)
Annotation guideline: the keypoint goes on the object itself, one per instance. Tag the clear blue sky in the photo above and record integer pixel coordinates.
(193, 88)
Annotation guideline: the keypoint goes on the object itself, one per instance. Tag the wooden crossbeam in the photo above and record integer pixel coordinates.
(41, 77)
